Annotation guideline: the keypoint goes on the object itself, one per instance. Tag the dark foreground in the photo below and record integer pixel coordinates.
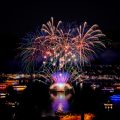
(35, 103)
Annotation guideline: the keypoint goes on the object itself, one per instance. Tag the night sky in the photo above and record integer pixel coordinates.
(20, 17)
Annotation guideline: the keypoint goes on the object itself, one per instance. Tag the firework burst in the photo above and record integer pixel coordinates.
(55, 46)
(86, 42)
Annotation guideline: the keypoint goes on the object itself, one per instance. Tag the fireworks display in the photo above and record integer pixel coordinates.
(60, 46)
(58, 51)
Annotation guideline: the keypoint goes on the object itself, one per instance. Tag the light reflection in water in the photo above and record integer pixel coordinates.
(115, 98)
(60, 102)
(87, 116)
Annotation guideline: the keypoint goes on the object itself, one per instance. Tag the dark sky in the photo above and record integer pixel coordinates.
(20, 17)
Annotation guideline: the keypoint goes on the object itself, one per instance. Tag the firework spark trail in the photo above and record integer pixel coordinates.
(86, 41)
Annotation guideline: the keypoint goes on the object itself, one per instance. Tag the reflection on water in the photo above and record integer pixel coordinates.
(19, 88)
(68, 105)
(60, 103)
(87, 116)
(115, 98)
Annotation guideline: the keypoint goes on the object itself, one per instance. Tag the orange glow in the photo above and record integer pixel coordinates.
(118, 88)
(19, 87)
(8, 83)
(11, 82)
(70, 117)
(87, 116)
